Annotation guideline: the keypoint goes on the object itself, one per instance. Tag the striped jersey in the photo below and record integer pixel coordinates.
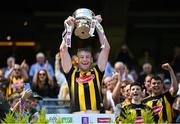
(134, 111)
(162, 106)
(14, 85)
(85, 89)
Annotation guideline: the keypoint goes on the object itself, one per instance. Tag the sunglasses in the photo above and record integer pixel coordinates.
(17, 69)
(42, 74)
(123, 87)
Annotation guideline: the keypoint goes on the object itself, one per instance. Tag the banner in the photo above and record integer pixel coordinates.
(81, 118)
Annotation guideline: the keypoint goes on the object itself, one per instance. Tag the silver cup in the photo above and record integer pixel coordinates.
(83, 18)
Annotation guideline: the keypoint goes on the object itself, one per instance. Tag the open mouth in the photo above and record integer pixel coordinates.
(85, 63)
(135, 94)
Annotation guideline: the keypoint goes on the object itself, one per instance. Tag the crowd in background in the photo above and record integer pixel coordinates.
(46, 80)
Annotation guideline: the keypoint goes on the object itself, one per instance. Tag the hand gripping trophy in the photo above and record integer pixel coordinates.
(85, 24)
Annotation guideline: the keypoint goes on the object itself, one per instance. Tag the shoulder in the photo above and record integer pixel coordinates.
(73, 69)
(168, 94)
(96, 68)
(169, 97)
(49, 65)
(144, 106)
(32, 66)
(150, 98)
(125, 103)
(146, 99)
(127, 106)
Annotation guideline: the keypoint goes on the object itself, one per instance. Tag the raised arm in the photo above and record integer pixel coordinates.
(58, 74)
(24, 71)
(35, 76)
(8, 75)
(116, 94)
(174, 85)
(64, 54)
(104, 53)
(50, 78)
(57, 64)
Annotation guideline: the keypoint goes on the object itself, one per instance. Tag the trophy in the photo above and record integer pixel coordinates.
(84, 22)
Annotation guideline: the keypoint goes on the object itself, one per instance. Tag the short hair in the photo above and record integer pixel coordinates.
(148, 75)
(119, 63)
(17, 66)
(40, 54)
(136, 84)
(156, 77)
(11, 58)
(147, 64)
(126, 82)
(86, 49)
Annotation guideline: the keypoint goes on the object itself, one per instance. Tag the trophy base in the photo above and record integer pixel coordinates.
(82, 32)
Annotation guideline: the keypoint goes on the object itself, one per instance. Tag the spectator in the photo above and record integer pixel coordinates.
(5, 106)
(44, 84)
(136, 106)
(119, 67)
(147, 82)
(167, 84)
(41, 63)
(16, 79)
(10, 64)
(147, 69)
(111, 93)
(161, 102)
(61, 80)
(33, 107)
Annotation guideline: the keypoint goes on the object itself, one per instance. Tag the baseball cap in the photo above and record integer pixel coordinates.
(167, 81)
(36, 95)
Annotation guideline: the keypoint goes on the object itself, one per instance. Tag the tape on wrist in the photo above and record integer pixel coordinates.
(66, 35)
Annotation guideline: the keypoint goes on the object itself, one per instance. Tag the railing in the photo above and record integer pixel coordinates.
(56, 106)
(60, 109)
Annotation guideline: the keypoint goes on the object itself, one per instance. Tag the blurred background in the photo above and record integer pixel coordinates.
(147, 27)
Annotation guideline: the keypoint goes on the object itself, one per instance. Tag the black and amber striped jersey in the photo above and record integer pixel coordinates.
(133, 110)
(14, 85)
(125, 103)
(85, 89)
(162, 106)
